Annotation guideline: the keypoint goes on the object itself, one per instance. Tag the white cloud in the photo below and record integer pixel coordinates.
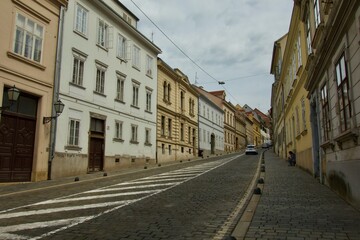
(230, 39)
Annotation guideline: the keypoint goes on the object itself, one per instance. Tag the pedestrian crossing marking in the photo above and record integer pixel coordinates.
(161, 182)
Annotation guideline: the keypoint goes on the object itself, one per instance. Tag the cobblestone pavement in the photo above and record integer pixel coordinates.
(192, 202)
(293, 205)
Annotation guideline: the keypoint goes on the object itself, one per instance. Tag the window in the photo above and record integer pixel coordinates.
(182, 98)
(148, 100)
(103, 34)
(343, 93)
(135, 99)
(118, 129)
(149, 66)
(308, 36)
(162, 125)
(136, 57)
(168, 94)
(297, 120)
(74, 127)
(97, 125)
(81, 19)
(165, 91)
(147, 136)
(121, 47)
(120, 87)
(325, 113)
(28, 38)
(303, 113)
(100, 79)
(78, 69)
(169, 127)
(298, 47)
(182, 132)
(134, 136)
(317, 13)
(163, 148)
(189, 134)
(169, 149)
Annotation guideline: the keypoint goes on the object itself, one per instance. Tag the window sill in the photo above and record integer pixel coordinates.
(148, 144)
(76, 85)
(102, 47)
(118, 140)
(149, 75)
(122, 59)
(304, 132)
(26, 60)
(134, 142)
(147, 111)
(346, 136)
(99, 93)
(133, 106)
(81, 34)
(328, 144)
(72, 148)
(119, 101)
(136, 68)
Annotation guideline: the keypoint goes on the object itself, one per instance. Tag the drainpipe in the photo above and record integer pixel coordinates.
(283, 107)
(56, 90)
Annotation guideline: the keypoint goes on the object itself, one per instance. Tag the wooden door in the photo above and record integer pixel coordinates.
(17, 135)
(96, 154)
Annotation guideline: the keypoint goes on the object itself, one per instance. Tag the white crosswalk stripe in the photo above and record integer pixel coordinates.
(102, 200)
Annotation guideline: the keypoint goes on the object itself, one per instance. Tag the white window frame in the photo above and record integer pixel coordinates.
(78, 69)
(100, 79)
(118, 129)
(136, 57)
(308, 36)
(28, 38)
(135, 96)
(74, 132)
(317, 13)
(121, 50)
(148, 100)
(103, 33)
(134, 133)
(147, 136)
(149, 66)
(81, 20)
(120, 87)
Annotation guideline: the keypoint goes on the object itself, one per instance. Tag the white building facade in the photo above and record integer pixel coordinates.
(211, 125)
(109, 87)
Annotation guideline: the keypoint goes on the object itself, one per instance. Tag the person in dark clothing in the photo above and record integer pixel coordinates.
(292, 158)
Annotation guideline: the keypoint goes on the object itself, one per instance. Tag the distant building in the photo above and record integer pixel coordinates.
(229, 121)
(109, 87)
(177, 115)
(29, 41)
(211, 124)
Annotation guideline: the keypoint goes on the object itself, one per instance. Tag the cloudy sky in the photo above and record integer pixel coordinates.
(229, 41)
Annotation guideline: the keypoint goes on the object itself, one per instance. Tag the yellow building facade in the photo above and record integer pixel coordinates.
(290, 103)
(177, 116)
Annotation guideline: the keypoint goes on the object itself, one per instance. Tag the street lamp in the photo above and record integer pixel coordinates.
(59, 107)
(13, 95)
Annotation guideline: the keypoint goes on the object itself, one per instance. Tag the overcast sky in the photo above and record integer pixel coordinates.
(231, 40)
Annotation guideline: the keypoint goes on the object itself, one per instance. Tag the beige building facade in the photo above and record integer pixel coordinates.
(29, 39)
(333, 83)
(177, 116)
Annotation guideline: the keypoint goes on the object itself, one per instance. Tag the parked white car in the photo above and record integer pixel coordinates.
(250, 149)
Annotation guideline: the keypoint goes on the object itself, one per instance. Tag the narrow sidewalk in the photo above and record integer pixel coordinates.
(294, 205)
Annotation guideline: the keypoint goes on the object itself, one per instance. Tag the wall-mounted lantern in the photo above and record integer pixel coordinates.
(59, 107)
(13, 95)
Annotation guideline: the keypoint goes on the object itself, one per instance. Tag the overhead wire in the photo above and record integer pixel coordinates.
(182, 51)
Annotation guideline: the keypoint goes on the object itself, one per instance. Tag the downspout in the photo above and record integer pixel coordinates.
(283, 107)
(56, 90)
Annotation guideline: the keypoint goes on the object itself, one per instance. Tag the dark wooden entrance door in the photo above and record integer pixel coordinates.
(96, 154)
(17, 135)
